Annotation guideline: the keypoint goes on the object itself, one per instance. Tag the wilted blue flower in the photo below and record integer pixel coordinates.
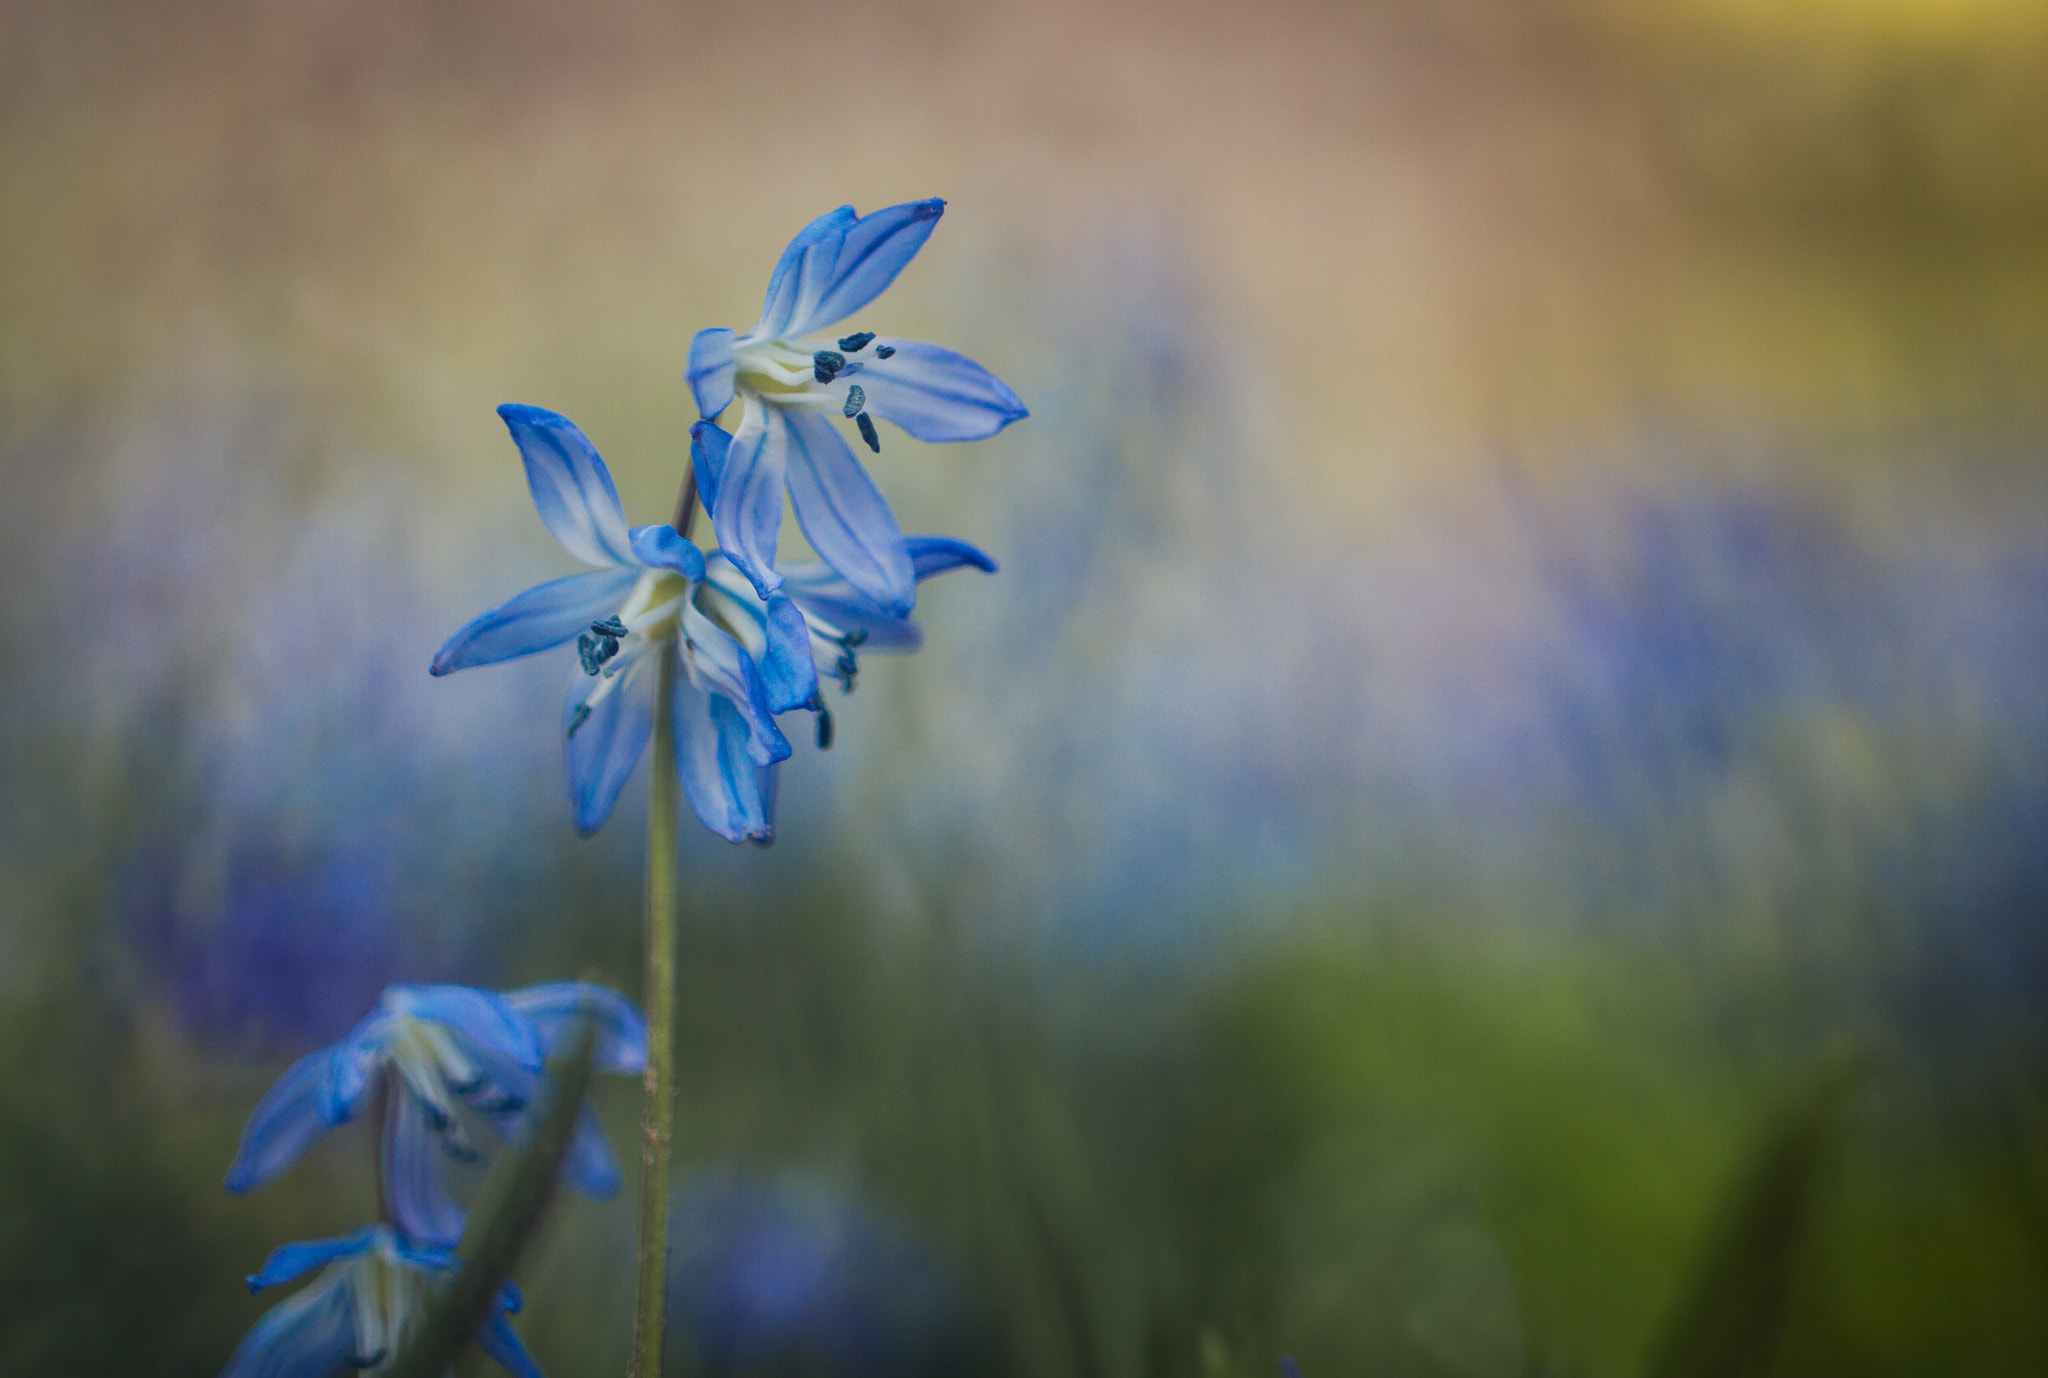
(623, 618)
(839, 620)
(438, 1049)
(795, 382)
(357, 1313)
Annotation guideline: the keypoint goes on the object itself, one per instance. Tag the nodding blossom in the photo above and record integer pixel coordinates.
(797, 383)
(438, 1051)
(624, 617)
(359, 1310)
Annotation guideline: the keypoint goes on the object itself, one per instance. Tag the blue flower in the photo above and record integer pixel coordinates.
(358, 1311)
(439, 1050)
(838, 621)
(795, 381)
(624, 617)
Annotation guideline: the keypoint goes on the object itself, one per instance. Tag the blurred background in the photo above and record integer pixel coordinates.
(1494, 821)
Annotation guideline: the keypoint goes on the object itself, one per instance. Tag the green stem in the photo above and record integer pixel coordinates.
(657, 1111)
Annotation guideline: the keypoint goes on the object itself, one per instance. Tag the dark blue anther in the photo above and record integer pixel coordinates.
(581, 717)
(824, 728)
(460, 1152)
(857, 637)
(856, 342)
(611, 627)
(867, 432)
(437, 1119)
(847, 667)
(856, 398)
(885, 351)
(825, 365)
(587, 647)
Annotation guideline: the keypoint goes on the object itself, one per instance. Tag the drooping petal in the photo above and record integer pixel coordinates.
(413, 1189)
(711, 370)
(571, 487)
(938, 395)
(603, 750)
(748, 510)
(714, 661)
(851, 264)
(931, 555)
(663, 547)
(502, 1343)
(358, 1060)
(588, 1165)
(311, 1335)
(789, 675)
(724, 786)
(843, 514)
(621, 1032)
(708, 444)
(537, 619)
(480, 1017)
(786, 283)
(288, 1261)
(833, 603)
(289, 1119)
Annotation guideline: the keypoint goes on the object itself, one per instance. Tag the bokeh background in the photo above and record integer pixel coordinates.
(1492, 823)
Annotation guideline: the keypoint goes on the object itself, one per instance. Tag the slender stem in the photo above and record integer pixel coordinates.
(657, 1111)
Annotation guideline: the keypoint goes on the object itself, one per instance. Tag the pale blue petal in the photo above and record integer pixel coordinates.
(481, 1018)
(748, 511)
(537, 619)
(826, 597)
(715, 662)
(311, 1335)
(621, 1032)
(938, 395)
(503, 1344)
(843, 514)
(710, 372)
(288, 1261)
(931, 555)
(571, 487)
(719, 777)
(602, 752)
(413, 1189)
(588, 1165)
(708, 444)
(786, 283)
(663, 547)
(289, 1119)
(848, 268)
(788, 673)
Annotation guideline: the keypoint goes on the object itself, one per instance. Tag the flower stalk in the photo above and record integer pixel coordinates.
(657, 1110)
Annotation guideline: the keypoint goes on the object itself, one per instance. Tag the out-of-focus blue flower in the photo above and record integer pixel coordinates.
(438, 1049)
(839, 621)
(623, 617)
(357, 1313)
(795, 381)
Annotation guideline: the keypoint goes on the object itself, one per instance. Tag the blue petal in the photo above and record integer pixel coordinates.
(602, 752)
(847, 267)
(785, 284)
(931, 555)
(788, 673)
(715, 662)
(843, 514)
(708, 444)
(621, 1032)
(311, 1335)
(481, 1018)
(289, 1119)
(710, 373)
(570, 484)
(537, 619)
(288, 1261)
(588, 1166)
(839, 607)
(663, 547)
(937, 395)
(748, 511)
(727, 790)
(358, 1059)
(419, 1201)
(502, 1343)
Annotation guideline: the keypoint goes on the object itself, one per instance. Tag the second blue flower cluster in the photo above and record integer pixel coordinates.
(742, 637)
